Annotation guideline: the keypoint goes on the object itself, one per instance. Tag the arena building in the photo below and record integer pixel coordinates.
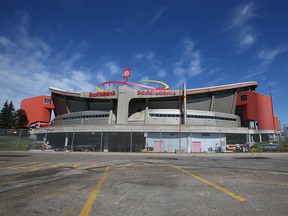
(134, 117)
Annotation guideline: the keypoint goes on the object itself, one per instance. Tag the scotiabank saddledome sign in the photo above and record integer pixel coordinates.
(105, 89)
(139, 93)
(155, 92)
(102, 94)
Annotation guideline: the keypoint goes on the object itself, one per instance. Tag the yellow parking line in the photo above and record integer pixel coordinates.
(241, 199)
(94, 165)
(87, 207)
(22, 164)
(39, 166)
(88, 165)
(139, 164)
(57, 165)
(11, 178)
(17, 176)
(77, 165)
(9, 163)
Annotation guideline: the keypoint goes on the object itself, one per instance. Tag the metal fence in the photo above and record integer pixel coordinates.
(133, 141)
(95, 141)
(24, 139)
(17, 139)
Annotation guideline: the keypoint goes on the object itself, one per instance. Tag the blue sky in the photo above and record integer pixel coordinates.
(76, 45)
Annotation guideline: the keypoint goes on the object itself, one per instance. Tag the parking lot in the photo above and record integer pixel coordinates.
(61, 183)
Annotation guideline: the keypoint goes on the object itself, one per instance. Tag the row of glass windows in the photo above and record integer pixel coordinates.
(86, 117)
(150, 115)
(192, 116)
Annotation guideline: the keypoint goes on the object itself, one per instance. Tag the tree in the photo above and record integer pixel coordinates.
(21, 119)
(7, 116)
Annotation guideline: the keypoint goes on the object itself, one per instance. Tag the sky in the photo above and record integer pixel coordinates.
(76, 45)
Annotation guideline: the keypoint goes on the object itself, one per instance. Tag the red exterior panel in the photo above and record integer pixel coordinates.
(258, 107)
(38, 108)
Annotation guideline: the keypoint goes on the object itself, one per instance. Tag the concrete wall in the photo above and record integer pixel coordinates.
(189, 142)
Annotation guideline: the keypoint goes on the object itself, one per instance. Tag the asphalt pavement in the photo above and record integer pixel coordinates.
(71, 183)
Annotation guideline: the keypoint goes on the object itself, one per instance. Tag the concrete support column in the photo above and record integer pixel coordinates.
(131, 141)
(146, 115)
(184, 103)
(106, 140)
(72, 143)
(125, 94)
(234, 103)
(248, 140)
(66, 142)
(110, 117)
(101, 140)
(212, 102)
(188, 144)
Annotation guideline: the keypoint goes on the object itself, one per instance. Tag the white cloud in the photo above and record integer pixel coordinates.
(158, 15)
(101, 77)
(190, 62)
(152, 63)
(243, 33)
(216, 81)
(161, 73)
(5, 42)
(112, 68)
(188, 46)
(28, 66)
(242, 14)
(179, 82)
(24, 19)
(214, 70)
(67, 64)
(149, 55)
(266, 57)
(144, 77)
(273, 83)
(246, 39)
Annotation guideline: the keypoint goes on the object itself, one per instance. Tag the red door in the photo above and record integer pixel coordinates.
(158, 146)
(196, 146)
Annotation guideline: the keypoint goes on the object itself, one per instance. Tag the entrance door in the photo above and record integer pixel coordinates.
(196, 146)
(158, 146)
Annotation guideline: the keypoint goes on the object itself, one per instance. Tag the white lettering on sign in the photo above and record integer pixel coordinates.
(102, 94)
(155, 92)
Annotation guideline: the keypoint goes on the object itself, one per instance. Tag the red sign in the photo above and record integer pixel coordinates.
(155, 92)
(102, 94)
(127, 73)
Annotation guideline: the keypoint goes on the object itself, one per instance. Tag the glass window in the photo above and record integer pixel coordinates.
(205, 134)
(47, 101)
(243, 97)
